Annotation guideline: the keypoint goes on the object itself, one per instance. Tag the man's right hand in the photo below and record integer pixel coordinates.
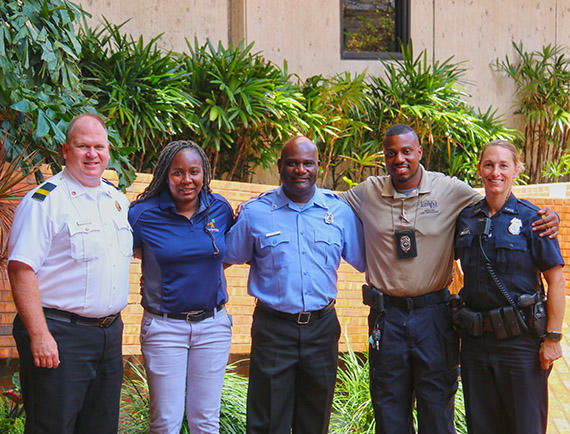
(44, 350)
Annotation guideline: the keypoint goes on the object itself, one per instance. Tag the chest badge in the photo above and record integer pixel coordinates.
(329, 218)
(515, 226)
(118, 206)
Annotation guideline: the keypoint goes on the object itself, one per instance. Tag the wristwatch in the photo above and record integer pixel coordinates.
(553, 336)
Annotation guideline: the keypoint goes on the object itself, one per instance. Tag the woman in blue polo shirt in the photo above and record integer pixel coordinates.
(179, 227)
(505, 360)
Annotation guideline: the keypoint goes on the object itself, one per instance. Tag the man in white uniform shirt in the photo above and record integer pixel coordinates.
(69, 256)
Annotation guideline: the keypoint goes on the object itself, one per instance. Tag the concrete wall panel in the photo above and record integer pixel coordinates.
(479, 32)
(177, 19)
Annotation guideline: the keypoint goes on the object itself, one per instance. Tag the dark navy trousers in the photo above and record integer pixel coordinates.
(504, 385)
(82, 394)
(292, 374)
(417, 359)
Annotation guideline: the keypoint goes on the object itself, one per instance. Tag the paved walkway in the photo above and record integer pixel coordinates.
(559, 384)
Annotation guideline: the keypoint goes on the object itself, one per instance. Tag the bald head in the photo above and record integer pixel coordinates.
(293, 142)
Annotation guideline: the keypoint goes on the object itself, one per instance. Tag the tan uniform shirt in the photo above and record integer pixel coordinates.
(432, 209)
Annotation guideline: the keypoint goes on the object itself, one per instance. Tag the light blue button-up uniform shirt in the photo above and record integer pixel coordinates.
(294, 252)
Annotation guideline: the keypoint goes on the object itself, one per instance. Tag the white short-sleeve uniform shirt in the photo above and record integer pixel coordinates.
(78, 241)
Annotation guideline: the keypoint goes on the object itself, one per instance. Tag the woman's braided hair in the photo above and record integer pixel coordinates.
(160, 177)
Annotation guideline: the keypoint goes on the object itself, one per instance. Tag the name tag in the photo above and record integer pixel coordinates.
(272, 234)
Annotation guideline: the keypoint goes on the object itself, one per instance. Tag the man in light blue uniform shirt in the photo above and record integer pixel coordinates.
(294, 238)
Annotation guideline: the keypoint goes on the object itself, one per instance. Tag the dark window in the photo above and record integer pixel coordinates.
(371, 28)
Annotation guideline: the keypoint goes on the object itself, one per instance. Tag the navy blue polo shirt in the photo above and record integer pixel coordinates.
(182, 271)
(517, 253)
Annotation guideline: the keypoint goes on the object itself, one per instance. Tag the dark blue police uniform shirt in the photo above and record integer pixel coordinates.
(517, 253)
(180, 270)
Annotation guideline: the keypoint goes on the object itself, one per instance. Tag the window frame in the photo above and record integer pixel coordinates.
(402, 32)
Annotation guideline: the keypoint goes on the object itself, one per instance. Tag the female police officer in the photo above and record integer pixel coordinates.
(179, 227)
(505, 362)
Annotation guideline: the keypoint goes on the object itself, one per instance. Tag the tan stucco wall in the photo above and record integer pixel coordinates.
(177, 19)
(307, 34)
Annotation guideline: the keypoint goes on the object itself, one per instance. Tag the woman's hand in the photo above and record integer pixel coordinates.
(549, 352)
(549, 223)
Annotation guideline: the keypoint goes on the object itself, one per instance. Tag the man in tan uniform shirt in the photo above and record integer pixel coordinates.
(411, 213)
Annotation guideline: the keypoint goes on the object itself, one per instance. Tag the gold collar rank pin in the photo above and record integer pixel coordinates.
(515, 226)
(329, 218)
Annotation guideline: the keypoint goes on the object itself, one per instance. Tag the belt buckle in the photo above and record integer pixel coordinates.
(107, 321)
(301, 319)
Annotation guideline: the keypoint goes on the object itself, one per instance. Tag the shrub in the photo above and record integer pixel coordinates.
(40, 87)
(542, 83)
(139, 88)
(246, 106)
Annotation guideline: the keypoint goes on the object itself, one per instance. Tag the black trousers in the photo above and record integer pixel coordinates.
(504, 385)
(82, 394)
(292, 374)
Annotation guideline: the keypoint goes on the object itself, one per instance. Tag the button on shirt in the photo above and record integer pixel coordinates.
(517, 253)
(294, 252)
(432, 208)
(181, 270)
(79, 243)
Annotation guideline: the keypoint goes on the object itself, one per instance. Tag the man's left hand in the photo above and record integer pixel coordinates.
(548, 224)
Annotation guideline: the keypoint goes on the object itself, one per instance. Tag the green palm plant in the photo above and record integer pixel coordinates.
(246, 105)
(139, 88)
(336, 113)
(542, 87)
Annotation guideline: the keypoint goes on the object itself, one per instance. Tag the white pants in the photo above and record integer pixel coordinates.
(185, 364)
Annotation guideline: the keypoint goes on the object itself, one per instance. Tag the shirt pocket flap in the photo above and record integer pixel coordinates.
(274, 240)
(511, 243)
(329, 237)
(82, 227)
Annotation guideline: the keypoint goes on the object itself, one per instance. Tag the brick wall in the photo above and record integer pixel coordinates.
(352, 312)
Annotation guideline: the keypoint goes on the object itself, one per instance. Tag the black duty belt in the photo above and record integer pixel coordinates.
(301, 317)
(73, 318)
(189, 316)
(419, 301)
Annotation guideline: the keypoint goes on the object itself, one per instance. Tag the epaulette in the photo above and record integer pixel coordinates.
(42, 192)
(106, 181)
(331, 194)
(528, 204)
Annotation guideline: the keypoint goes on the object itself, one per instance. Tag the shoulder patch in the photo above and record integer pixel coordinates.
(331, 194)
(42, 192)
(106, 181)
